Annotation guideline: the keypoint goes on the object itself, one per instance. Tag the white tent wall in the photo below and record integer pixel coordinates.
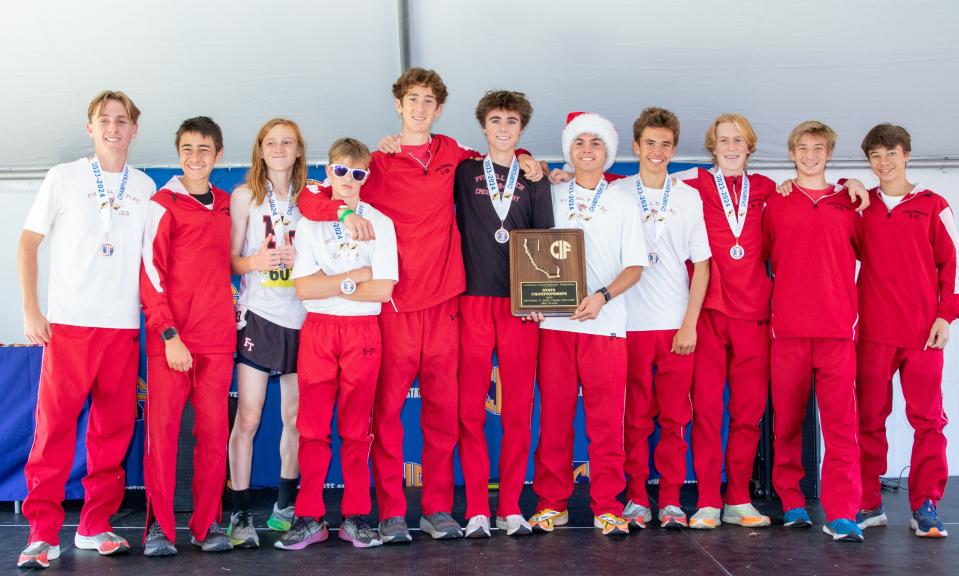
(329, 66)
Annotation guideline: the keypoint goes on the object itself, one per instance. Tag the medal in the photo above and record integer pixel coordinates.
(105, 204)
(502, 200)
(345, 245)
(347, 286)
(658, 217)
(575, 215)
(735, 217)
(106, 249)
(279, 223)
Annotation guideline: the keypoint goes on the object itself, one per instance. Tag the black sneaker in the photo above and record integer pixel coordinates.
(304, 531)
(156, 543)
(358, 533)
(394, 530)
(215, 540)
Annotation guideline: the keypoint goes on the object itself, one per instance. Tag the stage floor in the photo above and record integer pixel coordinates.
(577, 549)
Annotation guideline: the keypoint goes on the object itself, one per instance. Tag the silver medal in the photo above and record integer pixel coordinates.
(737, 252)
(501, 236)
(347, 286)
(106, 249)
(653, 257)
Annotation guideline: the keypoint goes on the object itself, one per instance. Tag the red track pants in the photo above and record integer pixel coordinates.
(77, 363)
(424, 343)
(207, 385)
(486, 322)
(920, 372)
(339, 360)
(794, 361)
(737, 350)
(598, 363)
(666, 397)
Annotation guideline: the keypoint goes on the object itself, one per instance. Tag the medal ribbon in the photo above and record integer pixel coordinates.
(103, 202)
(574, 215)
(279, 225)
(502, 200)
(659, 223)
(343, 235)
(735, 218)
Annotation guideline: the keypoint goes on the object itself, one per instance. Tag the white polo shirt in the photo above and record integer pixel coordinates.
(319, 250)
(87, 288)
(614, 240)
(658, 301)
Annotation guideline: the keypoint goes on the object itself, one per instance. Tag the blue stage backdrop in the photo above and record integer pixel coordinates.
(20, 368)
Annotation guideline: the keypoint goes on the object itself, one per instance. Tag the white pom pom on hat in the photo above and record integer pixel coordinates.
(590, 123)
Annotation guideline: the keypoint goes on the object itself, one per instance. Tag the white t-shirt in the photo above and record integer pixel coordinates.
(890, 201)
(614, 240)
(270, 295)
(658, 301)
(87, 288)
(319, 250)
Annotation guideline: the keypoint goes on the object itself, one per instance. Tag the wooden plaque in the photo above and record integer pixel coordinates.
(547, 271)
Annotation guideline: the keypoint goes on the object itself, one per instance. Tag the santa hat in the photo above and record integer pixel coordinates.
(590, 123)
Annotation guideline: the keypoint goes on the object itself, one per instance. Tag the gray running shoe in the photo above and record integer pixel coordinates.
(156, 543)
(358, 533)
(38, 555)
(514, 524)
(241, 531)
(106, 543)
(304, 531)
(477, 527)
(281, 520)
(393, 530)
(636, 515)
(215, 540)
(871, 518)
(441, 526)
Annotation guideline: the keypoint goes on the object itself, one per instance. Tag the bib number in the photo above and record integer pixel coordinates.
(277, 278)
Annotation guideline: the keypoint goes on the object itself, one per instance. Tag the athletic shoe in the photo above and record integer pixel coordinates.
(706, 518)
(106, 543)
(156, 543)
(637, 515)
(477, 527)
(281, 520)
(241, 531)
(547, 519)
(38, 555)
(441, 526)
(611, 524)
(796, 518)
(393, 530)
(514, 524)
(870, 518)
(358, 533)
(215, 540)
(304, 531)
(672, 517)
(745, 515)
(843, 530)
(925, 521)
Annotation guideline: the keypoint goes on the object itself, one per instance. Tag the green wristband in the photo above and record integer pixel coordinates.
(346, 213)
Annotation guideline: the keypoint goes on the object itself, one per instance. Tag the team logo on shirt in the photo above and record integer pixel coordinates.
(494, 397)
(580, 471)
(413, 474)
(141, 397)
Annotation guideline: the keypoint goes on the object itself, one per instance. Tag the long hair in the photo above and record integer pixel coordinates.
(256, 175)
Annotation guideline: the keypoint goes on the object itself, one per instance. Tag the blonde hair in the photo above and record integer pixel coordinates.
(741, 124)
(100, 99)
(350, 148)
(813, 128)
(256, 175)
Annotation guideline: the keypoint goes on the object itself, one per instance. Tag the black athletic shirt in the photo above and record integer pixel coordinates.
(485, 259)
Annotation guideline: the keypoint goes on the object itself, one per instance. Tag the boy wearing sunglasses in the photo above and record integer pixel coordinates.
(414, 187)
(342, 282)
(492, 198)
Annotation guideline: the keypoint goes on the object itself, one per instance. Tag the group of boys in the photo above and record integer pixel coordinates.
(678, 303)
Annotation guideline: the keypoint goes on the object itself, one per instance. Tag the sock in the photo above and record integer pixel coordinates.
(241, 500)
(287, 493)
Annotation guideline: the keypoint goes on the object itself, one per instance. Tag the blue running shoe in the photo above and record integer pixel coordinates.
(925, 521)
(843, 530)
(796, 518)
(871, 517)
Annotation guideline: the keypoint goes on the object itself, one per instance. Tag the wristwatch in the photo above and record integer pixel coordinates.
(168, 334)
(605, 294)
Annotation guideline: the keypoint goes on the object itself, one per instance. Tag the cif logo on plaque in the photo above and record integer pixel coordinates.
(413, 474)
(494, 397)
(560, 249)
(581, 471)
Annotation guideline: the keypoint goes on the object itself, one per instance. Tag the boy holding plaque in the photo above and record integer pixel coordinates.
(662, 312)
(813, 238)
(93, 210)
(909, 233)
(191, 336)
(493, 197)
(342, 283)
(589, 347)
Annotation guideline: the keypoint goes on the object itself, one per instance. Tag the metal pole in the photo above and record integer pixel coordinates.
(403, 23)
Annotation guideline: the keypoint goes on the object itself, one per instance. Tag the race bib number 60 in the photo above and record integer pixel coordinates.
(282, 278)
